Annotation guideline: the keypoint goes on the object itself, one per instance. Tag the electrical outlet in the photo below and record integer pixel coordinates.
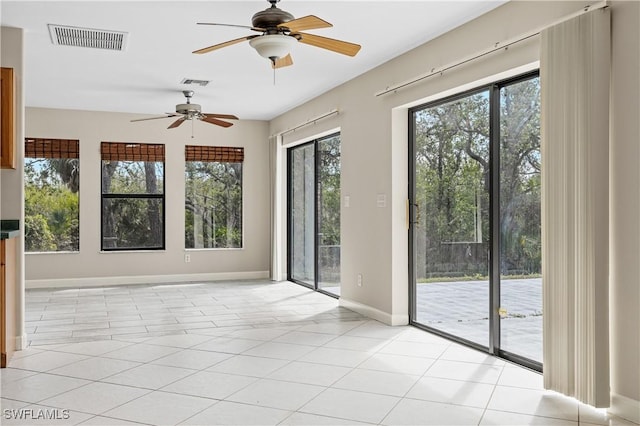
(359, 280)
(187, 258)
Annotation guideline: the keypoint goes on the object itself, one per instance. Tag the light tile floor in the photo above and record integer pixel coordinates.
(255, 353)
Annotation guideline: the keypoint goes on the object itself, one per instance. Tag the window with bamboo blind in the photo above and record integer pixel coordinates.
(133, 201)
(52, 187)
(213, 196)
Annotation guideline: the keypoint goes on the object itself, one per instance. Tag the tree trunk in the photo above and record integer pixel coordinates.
(153, 207)
(109, 238)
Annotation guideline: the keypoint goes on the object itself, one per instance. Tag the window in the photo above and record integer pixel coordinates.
(51, 207)
(213, 197)
(132, 196)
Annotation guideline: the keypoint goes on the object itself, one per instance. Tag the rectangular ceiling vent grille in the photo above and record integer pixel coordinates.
(195, 82)
(87, 37)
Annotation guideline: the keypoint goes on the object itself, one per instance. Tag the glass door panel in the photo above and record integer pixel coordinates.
(475, 221)
(520, 230)
(328, 164)
(302, 214)
(314, 214)
(451, 217)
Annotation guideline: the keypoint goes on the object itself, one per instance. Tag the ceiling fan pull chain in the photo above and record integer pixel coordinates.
(192, 129)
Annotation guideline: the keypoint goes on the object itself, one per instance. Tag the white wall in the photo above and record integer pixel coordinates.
(625, 210)
(11, 187)
(91, 266)
(374, 161)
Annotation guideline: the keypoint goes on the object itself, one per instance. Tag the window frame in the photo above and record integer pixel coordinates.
(106, 196)
(47, 148)
(221, 155)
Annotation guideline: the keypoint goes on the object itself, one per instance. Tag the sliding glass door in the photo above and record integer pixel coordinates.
(475, 219)
(302, 226)
(520, 230)
(314, 214)
(452, 222)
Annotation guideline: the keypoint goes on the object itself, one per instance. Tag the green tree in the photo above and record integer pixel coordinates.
(37, 235)
(213, 204)
(51, 195)
(130, 217)
(453, 183)
(520, 230)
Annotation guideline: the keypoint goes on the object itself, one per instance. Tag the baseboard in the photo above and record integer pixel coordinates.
(374, 313)
(627, 408)
(144, 279)
(21, 342)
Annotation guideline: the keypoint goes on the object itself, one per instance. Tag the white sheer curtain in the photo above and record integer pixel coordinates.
(274, 183)
(574, 75)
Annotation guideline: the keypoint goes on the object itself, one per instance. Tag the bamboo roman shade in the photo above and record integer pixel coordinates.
(51, 148)
(122, 151)
(221, 154)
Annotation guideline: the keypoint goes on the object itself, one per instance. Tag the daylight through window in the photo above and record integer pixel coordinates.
(52, 183)
(132, 196)
(213, 196)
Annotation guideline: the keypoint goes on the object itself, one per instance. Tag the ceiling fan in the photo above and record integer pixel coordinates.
(190, 111)
(280, 30)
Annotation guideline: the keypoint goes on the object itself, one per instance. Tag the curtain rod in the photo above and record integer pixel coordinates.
(309, 121)
(498, 46)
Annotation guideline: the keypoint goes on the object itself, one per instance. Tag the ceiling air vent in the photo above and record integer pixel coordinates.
(194, 82)
(87, 37)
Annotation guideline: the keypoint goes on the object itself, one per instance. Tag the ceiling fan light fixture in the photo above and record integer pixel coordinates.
(273, 46)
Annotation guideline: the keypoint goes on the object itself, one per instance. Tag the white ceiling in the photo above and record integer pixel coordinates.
(145, 78)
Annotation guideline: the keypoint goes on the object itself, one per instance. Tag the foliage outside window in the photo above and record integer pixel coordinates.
(133, 200)
(476, 238)
(452, 184)
(314, 213)
(452, 188)
(213, 197)
(52, 183)
(329, 175)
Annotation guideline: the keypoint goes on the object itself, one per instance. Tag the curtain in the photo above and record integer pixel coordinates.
(275, 210)
(574, 74)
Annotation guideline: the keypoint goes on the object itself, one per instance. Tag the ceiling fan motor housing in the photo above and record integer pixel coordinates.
(188, 109)
(270, 18)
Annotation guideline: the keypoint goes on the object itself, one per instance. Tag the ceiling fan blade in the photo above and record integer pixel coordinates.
(176, 123)
(156, 118)
(282, 62)
(310, 22)
(212, 120)
(338, 46)
(227, 116)
(221, 45)
(232, 25)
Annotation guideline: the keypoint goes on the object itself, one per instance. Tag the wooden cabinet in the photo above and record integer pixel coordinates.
(7, 111)
(7, 300)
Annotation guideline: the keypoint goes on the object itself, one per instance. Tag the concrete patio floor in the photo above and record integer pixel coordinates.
(461, 308)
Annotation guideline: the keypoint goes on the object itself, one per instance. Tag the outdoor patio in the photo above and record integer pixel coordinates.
(461, 308)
